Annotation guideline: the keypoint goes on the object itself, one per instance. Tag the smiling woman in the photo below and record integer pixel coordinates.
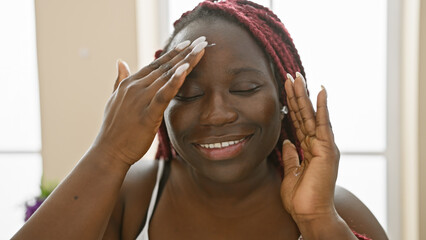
(232, 162)
(236, 99)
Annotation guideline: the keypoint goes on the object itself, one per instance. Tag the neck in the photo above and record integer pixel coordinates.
(262, 181)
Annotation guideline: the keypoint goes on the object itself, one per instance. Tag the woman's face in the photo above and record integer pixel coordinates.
(225, 120)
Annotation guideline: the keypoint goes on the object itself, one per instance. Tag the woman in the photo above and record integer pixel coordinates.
(228, 102)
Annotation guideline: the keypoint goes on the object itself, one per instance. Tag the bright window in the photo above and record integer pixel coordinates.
(20, 160)
(347, 54)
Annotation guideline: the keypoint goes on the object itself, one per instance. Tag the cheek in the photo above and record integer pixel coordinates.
(265, 109)
(177, 120)
(266, 112)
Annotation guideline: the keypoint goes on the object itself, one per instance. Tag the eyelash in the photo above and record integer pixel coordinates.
(187, 99)
(239, 92)
(247, 91)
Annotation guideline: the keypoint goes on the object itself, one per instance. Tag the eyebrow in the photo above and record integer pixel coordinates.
(233, 71)
(236, 71)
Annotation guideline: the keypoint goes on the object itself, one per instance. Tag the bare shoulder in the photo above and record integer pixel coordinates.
(357, 215)
(132, 203)
(142, 175)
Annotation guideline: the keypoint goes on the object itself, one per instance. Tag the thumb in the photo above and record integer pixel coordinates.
(290, 157)
(123, 72)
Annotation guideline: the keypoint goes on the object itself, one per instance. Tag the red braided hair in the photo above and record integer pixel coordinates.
(271, 35)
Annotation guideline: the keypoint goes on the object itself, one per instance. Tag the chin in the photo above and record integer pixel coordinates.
(228, 171)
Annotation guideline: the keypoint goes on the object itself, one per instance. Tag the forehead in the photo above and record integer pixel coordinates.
(232, 42)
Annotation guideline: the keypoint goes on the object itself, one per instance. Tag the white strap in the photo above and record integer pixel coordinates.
(144, 234)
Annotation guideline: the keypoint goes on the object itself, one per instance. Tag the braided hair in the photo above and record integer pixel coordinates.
(270, 34)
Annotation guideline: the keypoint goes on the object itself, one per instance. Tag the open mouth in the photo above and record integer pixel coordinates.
(223, 150)
(221, 144)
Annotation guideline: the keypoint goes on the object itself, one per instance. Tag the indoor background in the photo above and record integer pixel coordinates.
(58, 67)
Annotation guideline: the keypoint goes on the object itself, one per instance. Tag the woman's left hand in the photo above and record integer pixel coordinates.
(307, 190)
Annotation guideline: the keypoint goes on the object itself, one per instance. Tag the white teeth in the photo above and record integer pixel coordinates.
(221, 145)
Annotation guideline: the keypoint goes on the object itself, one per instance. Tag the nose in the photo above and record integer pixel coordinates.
(217, 111)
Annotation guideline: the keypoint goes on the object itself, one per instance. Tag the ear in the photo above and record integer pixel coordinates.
(123, 73)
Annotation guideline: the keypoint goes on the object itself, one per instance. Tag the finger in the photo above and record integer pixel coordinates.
(123, 72)
(167, 69)
(305, 105)
(163, 97)
(294, 108)
(192, 58)
(324, 131)
(169, 90)
(299, 133)
(290, 158)
(161, 65)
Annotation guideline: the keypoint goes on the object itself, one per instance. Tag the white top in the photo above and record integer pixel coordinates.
(143, 235)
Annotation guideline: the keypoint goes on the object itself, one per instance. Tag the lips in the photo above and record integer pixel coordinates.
(222, 149)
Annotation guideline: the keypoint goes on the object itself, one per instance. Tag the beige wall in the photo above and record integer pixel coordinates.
(78, 43)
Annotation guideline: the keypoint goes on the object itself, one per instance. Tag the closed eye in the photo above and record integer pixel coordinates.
(245, 91)
(187, 99)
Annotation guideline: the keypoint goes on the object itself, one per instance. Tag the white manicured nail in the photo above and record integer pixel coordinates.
(182, 45)
(182, 68)
(290, 77)
(301, 77)
(199, 47)
(197, 41)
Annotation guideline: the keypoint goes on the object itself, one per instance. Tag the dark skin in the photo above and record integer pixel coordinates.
(240, 197)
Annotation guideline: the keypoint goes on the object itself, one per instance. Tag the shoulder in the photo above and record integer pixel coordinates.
(133, 201)
(138, 186)
(357, 215)
(142, 175)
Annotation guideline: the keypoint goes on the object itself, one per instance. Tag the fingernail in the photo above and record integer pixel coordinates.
(301, 77)
(182, 68)
(125, 65)
(182, 45)
(198, 40)
(199, 47)
(286, 142)
(325, 90)
(290, 77)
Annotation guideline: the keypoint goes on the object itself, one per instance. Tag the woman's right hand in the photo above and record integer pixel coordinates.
(135, 110)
